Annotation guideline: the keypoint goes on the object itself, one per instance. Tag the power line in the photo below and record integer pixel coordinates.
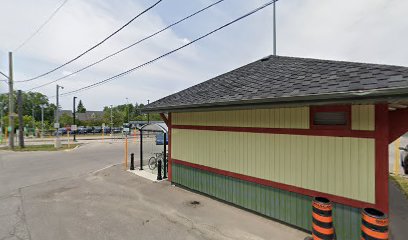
(168, 53)
(132, 45)
(93, 47)
(41, 27)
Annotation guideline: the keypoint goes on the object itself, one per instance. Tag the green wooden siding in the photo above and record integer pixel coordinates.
(292, 208)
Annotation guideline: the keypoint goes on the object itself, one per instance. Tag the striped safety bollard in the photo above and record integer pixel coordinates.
(322, 219)
(374, 225)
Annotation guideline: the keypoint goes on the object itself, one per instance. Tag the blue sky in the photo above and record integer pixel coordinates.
(374, 31)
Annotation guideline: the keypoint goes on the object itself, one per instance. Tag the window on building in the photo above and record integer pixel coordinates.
(330, 117)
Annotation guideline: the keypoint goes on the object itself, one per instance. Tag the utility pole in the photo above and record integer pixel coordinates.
(1, 122)
(57, 139)
(127, 106)
(148, 115)
(42, 121)
(11, 102)
(20, 119)
(274, 28)
(73, 115)
(111, 123)
(33, 121)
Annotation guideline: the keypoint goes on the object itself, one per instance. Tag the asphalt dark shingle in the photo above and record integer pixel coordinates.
(278, 76)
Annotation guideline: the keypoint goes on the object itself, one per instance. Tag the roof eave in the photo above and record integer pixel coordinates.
(372, 96)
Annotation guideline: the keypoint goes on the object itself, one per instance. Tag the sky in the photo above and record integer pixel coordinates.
(372, 31)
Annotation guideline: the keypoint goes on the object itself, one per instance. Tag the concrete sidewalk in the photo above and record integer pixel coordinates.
(115, 204)
(398, 213)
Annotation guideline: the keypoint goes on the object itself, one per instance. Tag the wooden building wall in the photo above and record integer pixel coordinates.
(276, 150)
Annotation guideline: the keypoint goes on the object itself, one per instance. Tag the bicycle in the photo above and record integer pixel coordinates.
(155, 159)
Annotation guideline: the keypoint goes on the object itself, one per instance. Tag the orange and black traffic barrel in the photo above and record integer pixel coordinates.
(322, 219)
(374, 225)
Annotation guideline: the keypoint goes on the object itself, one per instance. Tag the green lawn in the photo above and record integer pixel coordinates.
(44, 147)
(402, 183)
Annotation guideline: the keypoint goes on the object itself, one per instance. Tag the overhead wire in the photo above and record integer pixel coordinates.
(41, 26)
(94, 46)
(132, 45)
(168, 53)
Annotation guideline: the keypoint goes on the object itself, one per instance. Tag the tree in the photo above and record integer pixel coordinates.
(81, 108)
(66, 120)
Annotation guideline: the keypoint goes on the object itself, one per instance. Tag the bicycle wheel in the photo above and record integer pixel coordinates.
(152, 163)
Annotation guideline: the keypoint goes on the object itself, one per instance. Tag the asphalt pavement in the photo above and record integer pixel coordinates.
(86, 194)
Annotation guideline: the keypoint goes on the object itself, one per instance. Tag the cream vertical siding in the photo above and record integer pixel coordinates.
(341, 166)
(363, 117)
(263, 118)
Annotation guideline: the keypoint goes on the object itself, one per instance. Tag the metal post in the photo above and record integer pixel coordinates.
(1, 121)
(126, 152)
(20, 119)
(274, 28)
(11, 102)
(148, 115)
(33, 112)
(164, 157)
(57, 140)
(397, 156)
(42, 121)
(111, 123)
(127, 101)
(141, 150)
(159, 169)
(132, 161)
(73, 113)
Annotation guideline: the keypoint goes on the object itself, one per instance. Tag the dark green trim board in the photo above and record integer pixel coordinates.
(288, 207)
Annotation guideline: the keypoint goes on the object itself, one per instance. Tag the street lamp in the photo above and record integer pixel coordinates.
(73, 113)
(148, 115)
(111, 123)
(57, 139)
(42, 120)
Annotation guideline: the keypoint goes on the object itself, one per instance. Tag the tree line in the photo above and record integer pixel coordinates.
(32, 102)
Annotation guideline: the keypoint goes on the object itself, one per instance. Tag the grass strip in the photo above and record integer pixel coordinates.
(43, 147)
(402, 183)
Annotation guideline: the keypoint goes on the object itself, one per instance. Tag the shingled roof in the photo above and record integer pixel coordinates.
(278, 79)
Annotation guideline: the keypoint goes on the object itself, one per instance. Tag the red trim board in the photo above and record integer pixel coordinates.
(165, 119)
(398, 123)
(381, 156)
(169, 126)
(303, 191)
(290, 131)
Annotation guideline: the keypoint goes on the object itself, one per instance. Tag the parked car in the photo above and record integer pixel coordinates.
(404, 158)
(82, 130)
(107, 130)
(60, 131)
(72, 131)
(89, 129)
(117, 130)
(97, 129)
(160, 139)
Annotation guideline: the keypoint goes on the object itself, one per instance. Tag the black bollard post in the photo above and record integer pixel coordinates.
(132, 161)
(164, 158)
(159, 169)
